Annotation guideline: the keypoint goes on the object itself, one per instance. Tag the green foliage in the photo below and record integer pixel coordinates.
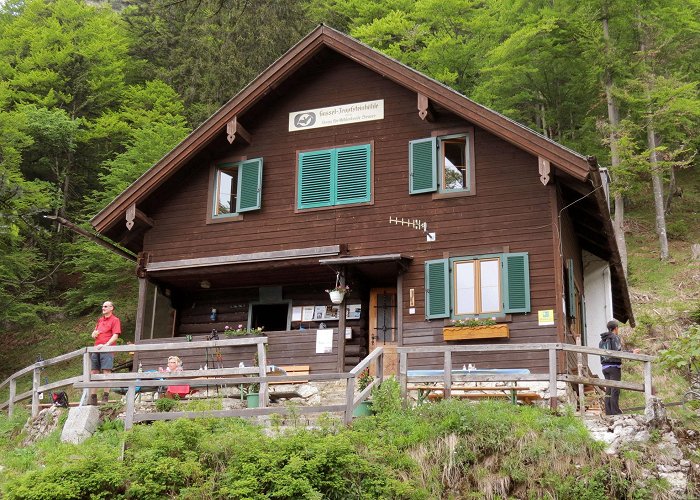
(473, 322)
(684, 354)
(165, 404)
(364, 379)
(449, 449)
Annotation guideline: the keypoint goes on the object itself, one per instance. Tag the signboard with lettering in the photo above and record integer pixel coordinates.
(331, 116)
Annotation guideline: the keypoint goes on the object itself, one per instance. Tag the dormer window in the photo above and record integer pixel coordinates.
(443, 164)
(236, 188)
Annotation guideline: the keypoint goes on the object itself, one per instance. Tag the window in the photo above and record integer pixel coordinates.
(337, 176)
(237, 187)
(477, 286)
(441, 164)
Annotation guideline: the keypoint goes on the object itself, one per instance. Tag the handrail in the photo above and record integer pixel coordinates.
(552, 376)
(37, 388)
(43, 364)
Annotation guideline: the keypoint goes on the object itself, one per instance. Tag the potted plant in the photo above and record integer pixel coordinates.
(364, 408)
(337, 293)
(252, 394)
(240, 331)
(465, 329)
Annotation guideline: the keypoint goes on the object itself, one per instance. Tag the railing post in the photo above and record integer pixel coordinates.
(447, 374)
(403, 376)
(380, 367)
(579, 371)
(86, 377)
(647, 382)
(262, 358)
(130, 396)
(13, 393)
(36, 382)
(349, 398)
(553, 378)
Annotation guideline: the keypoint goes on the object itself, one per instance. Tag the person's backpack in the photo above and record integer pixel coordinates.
(609, 345)
(60, 399)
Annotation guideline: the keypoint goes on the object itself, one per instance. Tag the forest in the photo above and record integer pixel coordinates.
(94, 93)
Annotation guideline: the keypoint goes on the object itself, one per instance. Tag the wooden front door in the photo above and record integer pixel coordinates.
(382, 326)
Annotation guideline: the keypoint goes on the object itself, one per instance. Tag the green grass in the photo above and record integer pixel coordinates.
(451, 449)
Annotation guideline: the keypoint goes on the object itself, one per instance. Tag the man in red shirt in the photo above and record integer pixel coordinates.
(106, 332)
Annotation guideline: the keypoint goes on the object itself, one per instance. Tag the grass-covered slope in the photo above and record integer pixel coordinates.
(444, 450)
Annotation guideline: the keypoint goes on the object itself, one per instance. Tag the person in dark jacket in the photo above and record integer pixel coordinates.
(612, 367)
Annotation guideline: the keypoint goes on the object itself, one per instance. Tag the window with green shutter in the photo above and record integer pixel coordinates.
(337, 176)
(237, 187)
(441, 164)
(477, 286)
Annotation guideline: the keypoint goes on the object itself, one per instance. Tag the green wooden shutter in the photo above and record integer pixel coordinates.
(353, 174)
(422, 164)
(249, 185)
(437, 289)
(515, 280)
(572, 288)
(315, 176)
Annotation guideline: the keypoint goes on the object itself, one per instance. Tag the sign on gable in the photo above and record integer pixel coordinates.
(336, 115)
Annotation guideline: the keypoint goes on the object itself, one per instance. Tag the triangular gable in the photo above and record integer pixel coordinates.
(322, 37)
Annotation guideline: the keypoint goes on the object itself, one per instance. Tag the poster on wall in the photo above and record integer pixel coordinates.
(332, 312)
(296, 313)
(353, 311)
(324, 341)
(307, 313)
(319, 312)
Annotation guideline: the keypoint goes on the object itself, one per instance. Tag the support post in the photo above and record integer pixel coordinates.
(130, 397)
(380, 367)
(86, 377)
(349, 399)
(36, 382)
(647, 382)
(579, 371)
(262, 358)
(13, 394)
(553, 379)
(447, 374)
(341, 327)
(140, 311)
(403, 376)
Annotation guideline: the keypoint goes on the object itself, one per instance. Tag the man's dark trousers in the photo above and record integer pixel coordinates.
(612, 394)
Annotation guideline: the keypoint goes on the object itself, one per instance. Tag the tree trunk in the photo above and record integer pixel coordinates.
(657, 184)
(614, 118)
(672, 190)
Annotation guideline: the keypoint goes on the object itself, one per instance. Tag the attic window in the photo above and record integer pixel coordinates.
(236, 188)
(442, 164)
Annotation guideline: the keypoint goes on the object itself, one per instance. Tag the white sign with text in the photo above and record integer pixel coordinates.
(331, 116)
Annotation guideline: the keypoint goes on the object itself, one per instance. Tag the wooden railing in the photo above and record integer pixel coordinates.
(552, 376)
(37, 389)
(223, 376)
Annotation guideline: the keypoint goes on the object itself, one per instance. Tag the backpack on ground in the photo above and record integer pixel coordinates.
(60, 399)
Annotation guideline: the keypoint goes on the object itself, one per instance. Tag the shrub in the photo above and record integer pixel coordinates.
(165, 404)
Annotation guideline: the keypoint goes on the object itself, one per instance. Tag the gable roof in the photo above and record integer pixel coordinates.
(578, 168)
(324, 37)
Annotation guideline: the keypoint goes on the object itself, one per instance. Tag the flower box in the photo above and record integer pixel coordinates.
(475, 332)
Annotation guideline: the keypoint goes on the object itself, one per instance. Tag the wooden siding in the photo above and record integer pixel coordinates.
(511, 211)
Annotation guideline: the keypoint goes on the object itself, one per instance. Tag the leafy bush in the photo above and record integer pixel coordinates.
(677, 230)
(165, 404)
(684, 354)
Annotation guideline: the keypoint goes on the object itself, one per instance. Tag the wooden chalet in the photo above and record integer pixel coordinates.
(341, 165)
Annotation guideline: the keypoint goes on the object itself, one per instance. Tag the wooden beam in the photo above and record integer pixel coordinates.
(133, 213)
(296, 253)
(545, 170)
(234, 128)
(82, 232)
(424, 108)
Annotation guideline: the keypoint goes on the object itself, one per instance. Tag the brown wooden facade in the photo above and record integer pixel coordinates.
(280, 254)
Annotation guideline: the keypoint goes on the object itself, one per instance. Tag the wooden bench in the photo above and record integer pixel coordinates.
(436, 392)
(293, 370)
